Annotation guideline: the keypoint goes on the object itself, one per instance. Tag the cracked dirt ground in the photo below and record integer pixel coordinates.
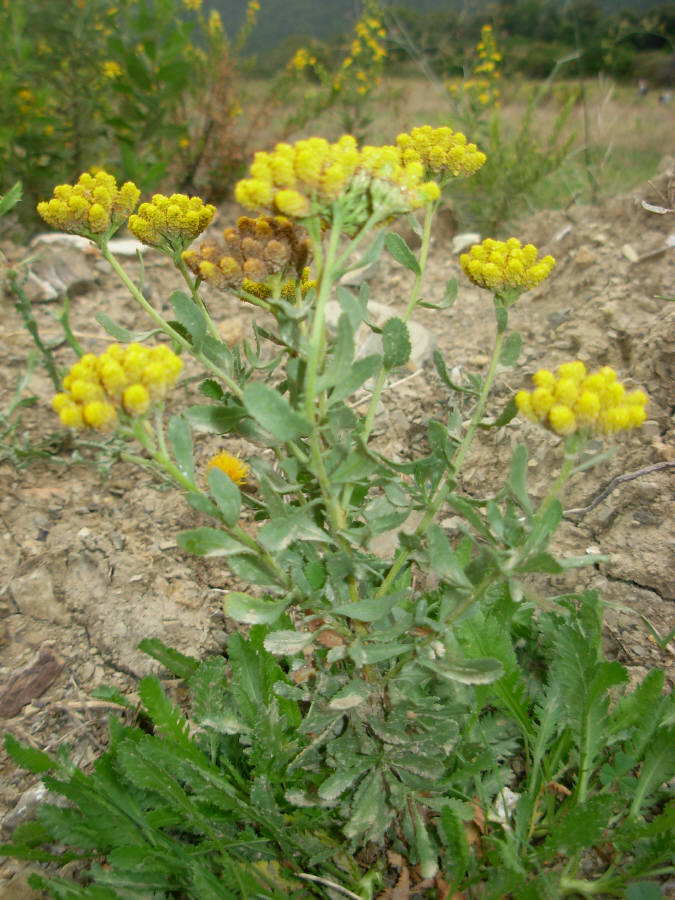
(88, 562)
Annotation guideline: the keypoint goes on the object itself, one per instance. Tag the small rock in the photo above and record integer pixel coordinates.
(25, 807)
(584, 258)
(29, 683)
(34, 595)
(126, 247)
(58, 268)
(630, 253)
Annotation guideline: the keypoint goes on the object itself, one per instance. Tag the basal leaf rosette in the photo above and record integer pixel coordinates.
(171, 224)
(253, 252)
(574, 401)
(125, 382)
(442, 151)
(506, 267)
(94, 207)
(313, 178)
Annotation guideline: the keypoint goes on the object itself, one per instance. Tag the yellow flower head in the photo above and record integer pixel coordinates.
(171, 223)
(232, 466)
(94, 207)
(313, 177)
(441, 151)
(595, 403)
(505, 266)
(98, 389)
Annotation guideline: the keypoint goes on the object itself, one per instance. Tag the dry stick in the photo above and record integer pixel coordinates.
(330, 884)
(614, 483)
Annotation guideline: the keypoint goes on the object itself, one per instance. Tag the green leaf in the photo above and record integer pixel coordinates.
(287, 642)
(644, 890)
(254, 610)
(352, 694)
(368, 813)
(27, 757)
(191, 318)
(468, 671)
(395, 343)
(112, 695)
(361, 371)
(339, 782)
(208, 542)
(339, 362)
(180, 665)
(296, 525)
(453, 818)
(657, 768)
(123, 334)
(11, 198)
(226, 494)
(166, 717)
(511, 349)
(274, 412)
(541, 562)
(180, 439)
(517, 482)
(442, 558)
(372, 609)
(401, 252)
(449, 296)
(214, 419)
(427, 855)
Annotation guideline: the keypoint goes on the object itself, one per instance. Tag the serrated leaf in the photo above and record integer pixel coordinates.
(287, 642)
(178, 663)
(296, 525)
(166, 717)
(338, 783)
(401, 252)
(453, 818)
(190, 317)
(11, 198)
(657, 768)
(226, 494)
(396, 344)
(254, 610)
(180, 439)
(112, 695)
(123, 334)
(511, 348)
(427, 855)
(368, 813)
(35, 761)
(274, 412)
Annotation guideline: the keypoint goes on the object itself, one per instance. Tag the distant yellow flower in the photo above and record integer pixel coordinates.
(505, 266)
(596, 404)
(111, 69)
(192, 4)
(232, 466)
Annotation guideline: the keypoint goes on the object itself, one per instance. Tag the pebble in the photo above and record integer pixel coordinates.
(630, 253)
(584, 258)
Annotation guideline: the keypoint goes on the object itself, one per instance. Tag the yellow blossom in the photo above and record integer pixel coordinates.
(93, 207)
(171, 223)
(596, 404)
(505, 266)
(97, 389)
(111, 69)
(232, 466)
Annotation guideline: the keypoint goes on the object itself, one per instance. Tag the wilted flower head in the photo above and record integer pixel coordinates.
(441, 151)
(232, 466)
(94, 207)
(171, 223)
(130, 380)
(506, 265)
(254, 250)
(574, 401)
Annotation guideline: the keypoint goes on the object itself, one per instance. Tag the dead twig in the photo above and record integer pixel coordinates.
(581, 511)
(330, 884)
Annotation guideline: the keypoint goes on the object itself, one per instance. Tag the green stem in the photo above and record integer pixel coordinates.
(164, 326)
(193, 284)
(444, 486)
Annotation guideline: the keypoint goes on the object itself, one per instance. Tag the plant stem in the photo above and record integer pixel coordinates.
(194, 292)
(444, 486)
(165, 327)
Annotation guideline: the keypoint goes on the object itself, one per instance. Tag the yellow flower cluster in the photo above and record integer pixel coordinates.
(130, 380)
(94, 206)
(171, 223)
(111, 69)
(306, 178)
(505, 265)
(255, 250)
(361, 68)
(481, 89)
(577, 401)
(301, 60)
(288, 289)
(441, 150)
(232, 466)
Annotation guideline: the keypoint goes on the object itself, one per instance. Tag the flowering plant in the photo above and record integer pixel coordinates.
(377, 699)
